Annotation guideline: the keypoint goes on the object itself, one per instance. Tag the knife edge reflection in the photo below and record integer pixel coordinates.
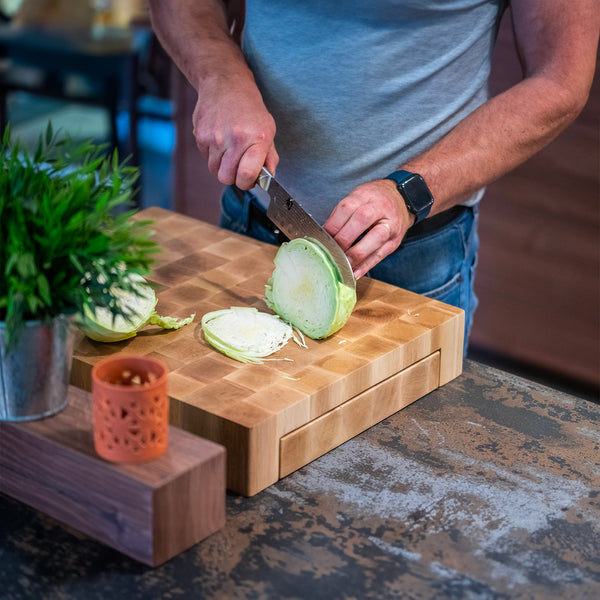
(289, 216)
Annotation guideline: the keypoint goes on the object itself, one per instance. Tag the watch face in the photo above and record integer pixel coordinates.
(417, 193)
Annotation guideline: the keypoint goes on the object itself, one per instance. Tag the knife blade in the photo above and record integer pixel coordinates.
(287, 214)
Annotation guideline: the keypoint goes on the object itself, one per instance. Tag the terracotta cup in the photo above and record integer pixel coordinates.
(131, 408)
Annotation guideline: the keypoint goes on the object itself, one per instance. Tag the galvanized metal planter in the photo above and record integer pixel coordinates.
(35, 372)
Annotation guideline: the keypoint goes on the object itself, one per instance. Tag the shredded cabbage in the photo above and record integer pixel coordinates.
(306, 289)
(101, 325)
(246, 334)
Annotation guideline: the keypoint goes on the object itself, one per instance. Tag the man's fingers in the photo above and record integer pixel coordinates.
(373, 259)
(214, 160)
(228, 167)
(376, 244)
(249, 166)
(235, 137)
(272, 159)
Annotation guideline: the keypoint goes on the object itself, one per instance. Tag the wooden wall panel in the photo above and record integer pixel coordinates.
(538, 278)
(196, 192)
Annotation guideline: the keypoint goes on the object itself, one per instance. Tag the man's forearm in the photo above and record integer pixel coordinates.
(196, 34)
(233, 129)
(558, 56)
(503, 133)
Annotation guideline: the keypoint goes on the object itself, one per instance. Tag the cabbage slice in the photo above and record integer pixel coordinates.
(246, 334)
(101, 325)
(306, 289)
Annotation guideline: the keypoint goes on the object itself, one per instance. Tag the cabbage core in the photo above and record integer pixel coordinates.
(306, 289)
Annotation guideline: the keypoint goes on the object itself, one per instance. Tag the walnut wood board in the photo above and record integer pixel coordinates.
(150, 511)
(249, 408)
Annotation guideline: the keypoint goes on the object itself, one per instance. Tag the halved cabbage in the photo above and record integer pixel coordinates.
(102, 326)
(306, 289)
(246, 334)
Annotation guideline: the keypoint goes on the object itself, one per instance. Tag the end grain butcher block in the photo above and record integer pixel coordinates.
(276, 417)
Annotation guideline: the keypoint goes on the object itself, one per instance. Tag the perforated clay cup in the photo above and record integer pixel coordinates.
(131, 408)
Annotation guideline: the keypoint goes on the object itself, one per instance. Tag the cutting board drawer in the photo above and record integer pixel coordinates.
(339, 425)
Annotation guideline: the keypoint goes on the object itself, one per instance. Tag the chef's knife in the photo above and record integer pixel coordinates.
(295, 222)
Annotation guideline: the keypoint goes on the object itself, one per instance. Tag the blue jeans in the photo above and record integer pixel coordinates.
(436, 261)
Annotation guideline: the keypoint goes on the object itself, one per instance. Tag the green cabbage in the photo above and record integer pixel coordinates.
(306, 289)
(246, 334)
(101, 325)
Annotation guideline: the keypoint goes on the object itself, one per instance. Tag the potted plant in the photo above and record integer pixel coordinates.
(66, 240)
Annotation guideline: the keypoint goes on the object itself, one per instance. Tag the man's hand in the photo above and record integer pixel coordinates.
(376, 210)
(234, 133)
(234, 130)
(557, 42)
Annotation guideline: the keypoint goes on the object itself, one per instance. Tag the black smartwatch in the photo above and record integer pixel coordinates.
(414, 191)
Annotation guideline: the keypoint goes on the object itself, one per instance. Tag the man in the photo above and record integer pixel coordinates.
(376, 116)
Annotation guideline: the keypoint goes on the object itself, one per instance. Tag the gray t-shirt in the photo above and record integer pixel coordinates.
(357, 88)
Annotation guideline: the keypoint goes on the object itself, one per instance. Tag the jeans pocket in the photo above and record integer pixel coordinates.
(450, 292)
(234, 212)
(425, 265)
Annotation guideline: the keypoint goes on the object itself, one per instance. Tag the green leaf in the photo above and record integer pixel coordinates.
(10, 264)
(25, 265)
(44, 289)
(64, 216)
(49, 133)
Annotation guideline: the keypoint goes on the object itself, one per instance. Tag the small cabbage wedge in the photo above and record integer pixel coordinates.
(306, 289)
(245, 334)
(101, 326)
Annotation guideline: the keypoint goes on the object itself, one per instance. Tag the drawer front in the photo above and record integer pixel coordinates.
(325, 433)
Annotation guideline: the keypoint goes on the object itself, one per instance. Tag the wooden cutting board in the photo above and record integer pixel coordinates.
(151, 510)
(276, 417)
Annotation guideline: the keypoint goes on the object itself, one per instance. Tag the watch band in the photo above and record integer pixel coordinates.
(414, 191)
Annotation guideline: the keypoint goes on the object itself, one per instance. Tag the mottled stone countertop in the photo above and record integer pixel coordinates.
(486, 488)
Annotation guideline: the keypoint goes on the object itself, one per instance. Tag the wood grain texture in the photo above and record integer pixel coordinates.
(486, 488)
(538, 278)
(150, 511)
(249, 407)
(335, 427)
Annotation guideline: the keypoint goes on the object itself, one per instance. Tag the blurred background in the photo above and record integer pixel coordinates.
(96, 70)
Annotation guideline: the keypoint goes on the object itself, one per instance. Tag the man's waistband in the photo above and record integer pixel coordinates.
(436, 222)
(427, 227)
